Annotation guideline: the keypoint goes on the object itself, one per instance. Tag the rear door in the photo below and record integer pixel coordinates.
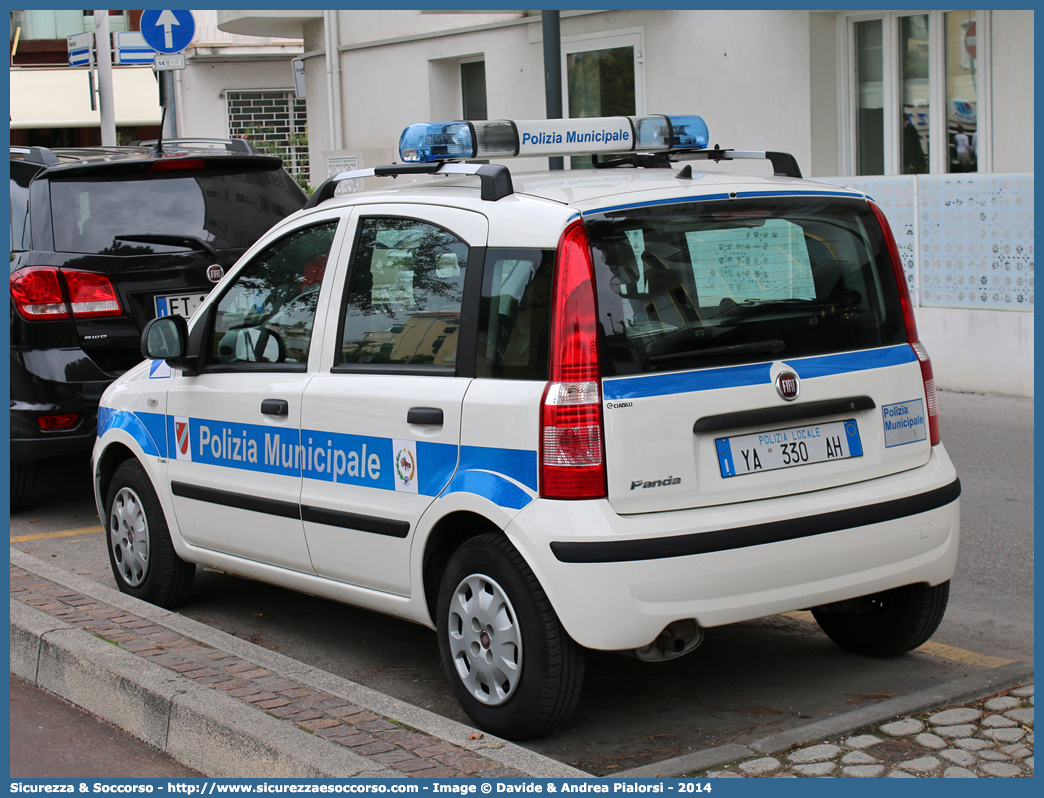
(381, 421)
(757, 348)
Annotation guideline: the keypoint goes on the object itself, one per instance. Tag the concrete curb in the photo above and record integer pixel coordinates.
(971, 688)
(203, 728)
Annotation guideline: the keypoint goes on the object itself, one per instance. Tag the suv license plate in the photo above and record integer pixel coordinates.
(786, 448)
(181, 305)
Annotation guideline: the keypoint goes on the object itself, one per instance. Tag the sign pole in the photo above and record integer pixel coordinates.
(168, 32)
(167, 81)
(105, 99)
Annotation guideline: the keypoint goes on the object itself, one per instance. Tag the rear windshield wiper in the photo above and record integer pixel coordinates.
(191, 242)
(753, 307)
(771, 346)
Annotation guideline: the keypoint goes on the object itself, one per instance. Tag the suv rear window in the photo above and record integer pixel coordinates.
(225, 210)
(687, 285)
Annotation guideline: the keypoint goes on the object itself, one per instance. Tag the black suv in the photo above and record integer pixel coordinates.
(102, 241)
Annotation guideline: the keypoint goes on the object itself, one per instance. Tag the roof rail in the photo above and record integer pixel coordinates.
(494, 179)
(783, 163)
(232, 145)
(38, 155)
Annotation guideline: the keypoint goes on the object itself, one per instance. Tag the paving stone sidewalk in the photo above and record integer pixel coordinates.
(382, 741)
(990, 738)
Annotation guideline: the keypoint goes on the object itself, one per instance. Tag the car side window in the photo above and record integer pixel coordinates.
(404, 295)
(514, 328)
(21, 175)
(267, 314)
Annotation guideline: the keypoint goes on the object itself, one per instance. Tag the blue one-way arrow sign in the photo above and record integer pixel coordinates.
(167, 31)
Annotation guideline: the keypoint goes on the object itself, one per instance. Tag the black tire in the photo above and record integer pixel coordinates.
(886, 624)
(23, 484)
(543, 687)
(141, 553)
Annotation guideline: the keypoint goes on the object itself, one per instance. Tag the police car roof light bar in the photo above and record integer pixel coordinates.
(494, 179)
(503, 138)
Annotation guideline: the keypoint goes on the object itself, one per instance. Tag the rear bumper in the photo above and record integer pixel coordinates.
(617, 581)
(27, 450)
(43, 382)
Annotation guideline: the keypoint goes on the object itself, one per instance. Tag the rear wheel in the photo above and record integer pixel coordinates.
(141, 553)
(512, 666)
(885, 624)
(23, 482)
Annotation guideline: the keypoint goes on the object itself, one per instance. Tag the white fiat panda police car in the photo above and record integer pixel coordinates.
(604, 408)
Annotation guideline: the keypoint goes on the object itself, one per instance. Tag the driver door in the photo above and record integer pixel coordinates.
(236, 469)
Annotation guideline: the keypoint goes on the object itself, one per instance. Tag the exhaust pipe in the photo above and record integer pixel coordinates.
(676, 640)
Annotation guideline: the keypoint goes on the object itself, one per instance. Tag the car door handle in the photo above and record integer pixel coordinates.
(432, 416)
(275, 407)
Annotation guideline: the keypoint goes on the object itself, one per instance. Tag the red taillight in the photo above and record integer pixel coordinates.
(64, 421)
(927, 375)
(572, 449)
(38, 295)
(91, 295)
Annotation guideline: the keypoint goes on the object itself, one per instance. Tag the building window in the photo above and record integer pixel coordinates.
(274, 121)
(35, 25)
(915, 91)
(915, 97)
(870, 98)
(473, 89)
(962, 91)
(602, 76)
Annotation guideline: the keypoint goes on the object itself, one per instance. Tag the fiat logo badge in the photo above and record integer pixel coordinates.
(215, 273)
(787, 385)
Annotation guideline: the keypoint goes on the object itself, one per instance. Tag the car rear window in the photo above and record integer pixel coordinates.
(694, 284)
(224, 210)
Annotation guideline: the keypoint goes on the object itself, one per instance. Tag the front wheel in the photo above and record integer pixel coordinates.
(512, 666)
(885, 624)
(141, 553)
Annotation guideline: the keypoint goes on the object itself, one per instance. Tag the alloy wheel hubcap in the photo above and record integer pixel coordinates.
(485, 640)
(129, 537)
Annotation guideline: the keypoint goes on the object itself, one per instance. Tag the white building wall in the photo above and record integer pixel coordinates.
(218, 61)
(983, 351)
(1012, 86)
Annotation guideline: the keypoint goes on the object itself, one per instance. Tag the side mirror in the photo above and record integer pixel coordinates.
(167, 338)
(164, 337)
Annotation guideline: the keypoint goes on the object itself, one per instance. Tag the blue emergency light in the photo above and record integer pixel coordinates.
(503, 138)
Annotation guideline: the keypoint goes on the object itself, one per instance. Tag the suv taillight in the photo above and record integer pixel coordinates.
(91, 295)
(37, 294)
(927, 375)
(572, 448)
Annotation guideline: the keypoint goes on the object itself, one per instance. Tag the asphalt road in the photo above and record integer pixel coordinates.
(53, 739)
(746, 679)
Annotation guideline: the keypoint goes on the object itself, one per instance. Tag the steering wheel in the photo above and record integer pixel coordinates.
(264, 335)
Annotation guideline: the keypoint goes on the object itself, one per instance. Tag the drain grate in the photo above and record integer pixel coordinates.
(895, 750)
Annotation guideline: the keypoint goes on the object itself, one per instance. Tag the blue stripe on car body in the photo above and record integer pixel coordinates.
(757, 374)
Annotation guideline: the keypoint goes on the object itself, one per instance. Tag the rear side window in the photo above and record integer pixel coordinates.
(224, 210)
(690, 285)
(515, 314)
(21, 176)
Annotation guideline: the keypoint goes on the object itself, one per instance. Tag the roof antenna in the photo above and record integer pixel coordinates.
(157, 148)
